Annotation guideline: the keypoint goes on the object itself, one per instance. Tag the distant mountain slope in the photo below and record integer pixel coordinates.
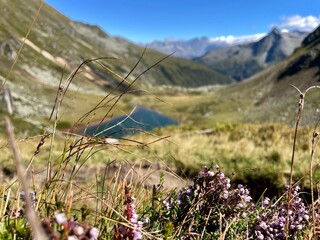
(242, 61)
(268, 95)
(197, 47)
(186, 49)
(57, 44)
(306, 58)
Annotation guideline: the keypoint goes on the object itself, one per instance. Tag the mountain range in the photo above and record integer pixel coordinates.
(197, 47)
(268, 96)
(193, 48)
(244, 60)
(238, 58)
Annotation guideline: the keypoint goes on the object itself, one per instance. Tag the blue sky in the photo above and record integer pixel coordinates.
(146, 20)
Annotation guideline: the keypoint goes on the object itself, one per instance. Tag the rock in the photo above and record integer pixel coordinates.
(7, 100)
(7, 49)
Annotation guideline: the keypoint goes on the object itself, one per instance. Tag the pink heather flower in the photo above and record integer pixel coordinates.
(189, 190)
(166, 204)
(204, 171)
(228, 185)
(244, 214)
(221, 175)
(32, 196)
(61, 218)
(265, 202)
(263, 225)
(72, 238)
(210, 173)
(132, 216)
(239, 205)
(225, 194)
(137, 235)
(78, 230)
(259, 236)
(94, 233)
(247, 198)
(147, 220)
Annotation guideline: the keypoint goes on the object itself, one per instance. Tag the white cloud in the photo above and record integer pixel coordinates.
(230, 39)
(297, 22)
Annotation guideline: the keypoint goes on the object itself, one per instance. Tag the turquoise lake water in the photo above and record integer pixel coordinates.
(141, 119)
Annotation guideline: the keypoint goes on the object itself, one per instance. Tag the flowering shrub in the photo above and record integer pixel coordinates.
(210, 204)
(212, 209)
(271, 221)
(129, 232)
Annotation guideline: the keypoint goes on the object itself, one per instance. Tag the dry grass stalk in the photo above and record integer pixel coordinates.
(37, 230)
(299, 116)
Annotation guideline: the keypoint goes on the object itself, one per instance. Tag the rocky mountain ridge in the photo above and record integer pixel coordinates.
(187, 49)
(271, 96)
(197, 47)
(244, 60)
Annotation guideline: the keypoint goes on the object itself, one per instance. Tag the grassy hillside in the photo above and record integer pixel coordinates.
(57, 45)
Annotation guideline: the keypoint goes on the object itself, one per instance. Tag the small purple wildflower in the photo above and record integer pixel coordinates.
(265, 202)
(32, 197)
(93, 233)
(166, 204)
(61, 218)
(133, 232)
(60, 226)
